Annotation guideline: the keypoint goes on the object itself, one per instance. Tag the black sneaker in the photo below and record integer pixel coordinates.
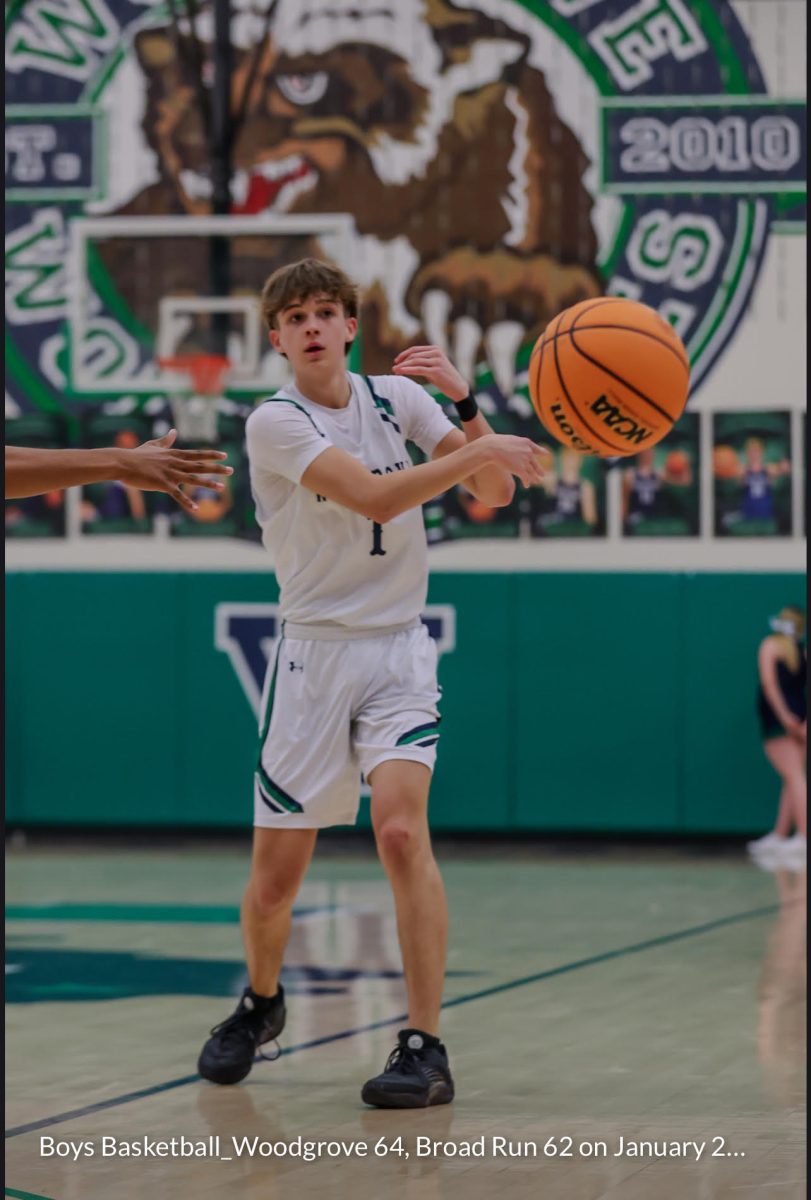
(416, 1075)
(228, 1054)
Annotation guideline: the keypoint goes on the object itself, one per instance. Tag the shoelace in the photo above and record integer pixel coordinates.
(403, 1061)
(236, 1028)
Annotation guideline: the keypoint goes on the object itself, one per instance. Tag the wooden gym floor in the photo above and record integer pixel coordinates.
(629, 1023)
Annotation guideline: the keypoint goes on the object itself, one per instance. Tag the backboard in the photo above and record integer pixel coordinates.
(140, 291)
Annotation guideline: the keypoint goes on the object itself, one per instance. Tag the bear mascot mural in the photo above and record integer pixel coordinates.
(422, 119)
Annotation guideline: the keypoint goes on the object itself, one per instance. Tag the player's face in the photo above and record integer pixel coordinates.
(754, 455)
(313, 334)
(570, 464)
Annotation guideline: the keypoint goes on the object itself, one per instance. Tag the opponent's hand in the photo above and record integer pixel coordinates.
(432, 364)
(518, 455)
(156, 467)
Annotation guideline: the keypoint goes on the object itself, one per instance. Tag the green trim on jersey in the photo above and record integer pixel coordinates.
(421, 731)
(383, 405)
(300, 407)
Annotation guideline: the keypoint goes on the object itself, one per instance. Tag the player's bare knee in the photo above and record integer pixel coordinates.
(398, 842)
(270, 895)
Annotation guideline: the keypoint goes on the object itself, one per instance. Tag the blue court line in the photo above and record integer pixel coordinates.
(664, 939)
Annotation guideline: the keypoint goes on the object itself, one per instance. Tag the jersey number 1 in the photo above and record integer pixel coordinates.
(377, 539)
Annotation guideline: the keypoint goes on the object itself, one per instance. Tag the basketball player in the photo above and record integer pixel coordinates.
(574, 497)
(757, 503)
(641, 490)
(352, 685)
(151, 467)
(782, 711)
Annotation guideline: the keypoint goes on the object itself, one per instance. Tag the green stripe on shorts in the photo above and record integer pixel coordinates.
(269, 702)
(281, 797)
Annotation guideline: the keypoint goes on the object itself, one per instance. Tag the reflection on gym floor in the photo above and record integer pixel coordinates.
(621, 1025)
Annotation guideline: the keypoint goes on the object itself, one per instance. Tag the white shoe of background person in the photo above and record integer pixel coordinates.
(794, 851)
(775, 866)
(767, 846)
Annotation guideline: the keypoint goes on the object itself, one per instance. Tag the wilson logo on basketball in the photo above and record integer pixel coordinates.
(623, 425)
(576, 442)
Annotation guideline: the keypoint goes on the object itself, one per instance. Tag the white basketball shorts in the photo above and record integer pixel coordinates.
(332, 709)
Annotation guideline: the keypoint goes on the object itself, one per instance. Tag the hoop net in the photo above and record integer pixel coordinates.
(194, 411)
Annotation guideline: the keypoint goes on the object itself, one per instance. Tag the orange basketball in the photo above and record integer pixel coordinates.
(677, 464)
(479, 514)
(725, 463)
(609, 377)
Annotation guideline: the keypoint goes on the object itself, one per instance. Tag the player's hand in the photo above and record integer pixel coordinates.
(795, 729)
(432, 364)
(518, 455)
(156, 467)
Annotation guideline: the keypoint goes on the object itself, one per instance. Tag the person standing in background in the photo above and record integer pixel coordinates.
(641, 490)
(756, 478)
(782, 708)
(574, 497)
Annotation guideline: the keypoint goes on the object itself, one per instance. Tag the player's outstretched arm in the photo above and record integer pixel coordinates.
(493, 485)
(342, 478)
(152, 467)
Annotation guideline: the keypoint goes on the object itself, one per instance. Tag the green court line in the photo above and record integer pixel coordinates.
(158, 914)
(593, 960)
(198, 914)
(16, 1194)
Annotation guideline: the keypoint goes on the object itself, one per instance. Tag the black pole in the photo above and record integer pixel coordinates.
(221, 166)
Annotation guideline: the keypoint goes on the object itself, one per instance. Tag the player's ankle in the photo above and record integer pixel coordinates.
(265, 998)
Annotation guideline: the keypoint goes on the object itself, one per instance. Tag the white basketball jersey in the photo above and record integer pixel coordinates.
(333, 566)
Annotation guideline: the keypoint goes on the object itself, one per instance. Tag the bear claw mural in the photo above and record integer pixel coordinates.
(499, 160)
(426, 123)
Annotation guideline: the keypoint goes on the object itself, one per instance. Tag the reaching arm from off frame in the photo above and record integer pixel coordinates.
(152, 467)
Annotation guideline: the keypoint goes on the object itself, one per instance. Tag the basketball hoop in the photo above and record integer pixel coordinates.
(194, 411)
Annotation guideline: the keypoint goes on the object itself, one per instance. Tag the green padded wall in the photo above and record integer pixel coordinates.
(572, 701)
(599, 689)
